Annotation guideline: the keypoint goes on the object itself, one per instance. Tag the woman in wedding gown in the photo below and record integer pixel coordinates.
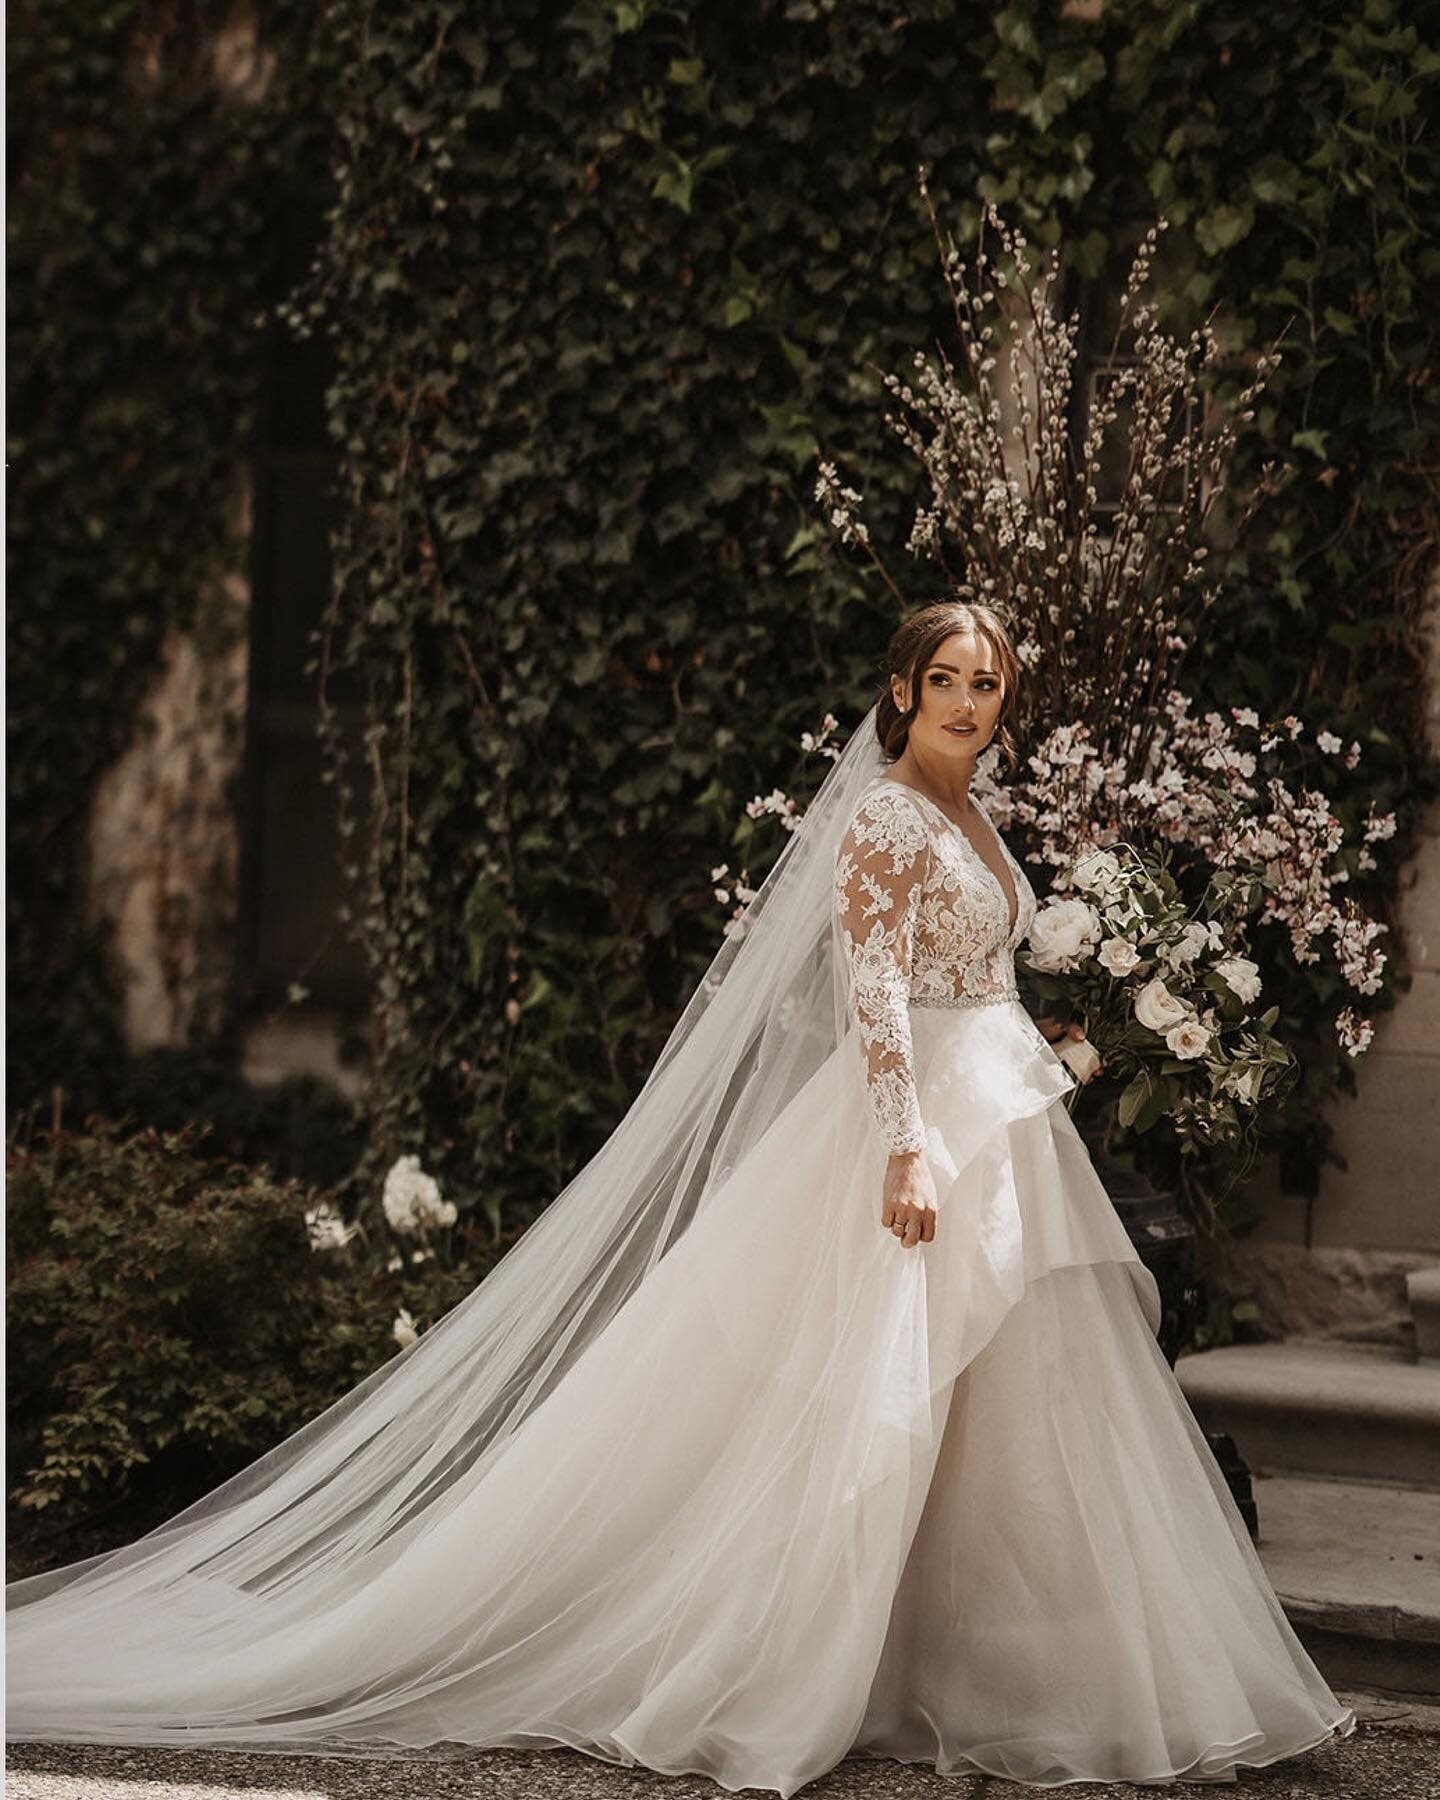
(822, 1414)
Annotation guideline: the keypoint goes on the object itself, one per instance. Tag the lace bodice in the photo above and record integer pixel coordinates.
(925, 922)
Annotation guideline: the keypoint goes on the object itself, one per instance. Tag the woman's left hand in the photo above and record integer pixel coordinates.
(1052, 1030)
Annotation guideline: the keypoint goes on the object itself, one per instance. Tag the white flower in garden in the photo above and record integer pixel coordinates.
(395, 1260)
(412, 1198)
(1118, 955)
(1241, 976)
(1157, 1008)
(403, 1330)
(1064, 933)
(1100, 874)
(1188, 1039)
(327, 1228)
(1327, 741)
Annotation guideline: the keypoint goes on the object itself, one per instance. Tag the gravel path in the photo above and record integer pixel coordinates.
(1394, 1755)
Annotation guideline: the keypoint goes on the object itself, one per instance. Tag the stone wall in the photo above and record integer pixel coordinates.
(1334, 1266)
(164, 824)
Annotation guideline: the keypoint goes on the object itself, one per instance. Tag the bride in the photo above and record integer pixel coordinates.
(820, 1414)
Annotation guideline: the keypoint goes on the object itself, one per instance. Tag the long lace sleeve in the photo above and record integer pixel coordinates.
(879, 878)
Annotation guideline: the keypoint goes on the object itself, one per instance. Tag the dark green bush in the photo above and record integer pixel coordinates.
(169, 1322)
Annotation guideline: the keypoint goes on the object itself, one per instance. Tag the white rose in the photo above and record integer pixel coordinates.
(412, 1198)
(1063, 934)
(1157, 1008)
(1099, 873)
(1188, 1039)
(403, 1330)
(1118, 955)
(1241, 976)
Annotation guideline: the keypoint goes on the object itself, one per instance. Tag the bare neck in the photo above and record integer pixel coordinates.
(944, 783)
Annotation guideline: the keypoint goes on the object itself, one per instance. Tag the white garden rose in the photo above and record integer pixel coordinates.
(1099, 873)
(1241, 976)
(1118, 956)
(412, 1198)
(1188, 1039)
(1157, 1008)
(1064, 933)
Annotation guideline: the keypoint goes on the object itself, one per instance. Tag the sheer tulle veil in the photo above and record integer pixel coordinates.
(386, 1462)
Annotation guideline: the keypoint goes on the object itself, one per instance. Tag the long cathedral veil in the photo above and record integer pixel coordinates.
(389, 1459)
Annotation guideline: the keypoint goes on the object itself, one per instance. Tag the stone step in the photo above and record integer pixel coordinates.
(1363, 1412)
(1422, 1287)
(1356, 1566)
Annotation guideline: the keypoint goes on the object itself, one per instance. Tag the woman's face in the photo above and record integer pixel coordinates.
(961, 694)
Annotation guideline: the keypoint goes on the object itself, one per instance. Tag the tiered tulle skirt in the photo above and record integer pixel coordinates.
(809, 1494)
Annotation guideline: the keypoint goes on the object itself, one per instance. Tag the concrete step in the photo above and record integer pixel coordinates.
(1356, 1566)
(1422, 1288)
(1363, 1412)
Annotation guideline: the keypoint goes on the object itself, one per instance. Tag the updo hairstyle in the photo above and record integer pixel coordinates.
(911, 651)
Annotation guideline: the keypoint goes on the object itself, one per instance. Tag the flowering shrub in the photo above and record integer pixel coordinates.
(171, 1316)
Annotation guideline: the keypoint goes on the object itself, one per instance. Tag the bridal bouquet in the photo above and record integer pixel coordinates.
(1165, 997)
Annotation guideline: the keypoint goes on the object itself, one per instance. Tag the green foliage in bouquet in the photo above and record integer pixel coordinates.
(1164, 998)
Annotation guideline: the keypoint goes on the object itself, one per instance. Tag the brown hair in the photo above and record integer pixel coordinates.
(911, 651)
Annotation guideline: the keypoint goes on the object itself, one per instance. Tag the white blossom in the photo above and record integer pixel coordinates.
(1188, 1039)
(1064, 934)
(1157, 1008)
(326, 1227)
(1241, 976)
(1118, 956)
(412, 1199)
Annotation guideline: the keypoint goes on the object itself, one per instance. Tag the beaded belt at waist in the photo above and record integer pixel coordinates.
(1010, 993)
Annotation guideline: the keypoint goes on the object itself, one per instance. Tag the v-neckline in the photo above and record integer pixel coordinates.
(1013, 918)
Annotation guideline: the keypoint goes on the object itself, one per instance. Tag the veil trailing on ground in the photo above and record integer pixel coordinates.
(387, 1460)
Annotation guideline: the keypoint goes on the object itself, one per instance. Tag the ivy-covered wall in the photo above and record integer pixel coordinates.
(604, 279)
(144, 145)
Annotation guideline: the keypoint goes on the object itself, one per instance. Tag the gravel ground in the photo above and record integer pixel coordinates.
(1393, 1755)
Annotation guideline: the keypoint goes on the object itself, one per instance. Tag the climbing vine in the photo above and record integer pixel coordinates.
(602, 280)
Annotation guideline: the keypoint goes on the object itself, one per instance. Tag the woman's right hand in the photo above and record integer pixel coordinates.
(908, 1208)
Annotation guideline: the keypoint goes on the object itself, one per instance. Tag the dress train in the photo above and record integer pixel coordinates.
(808, 1493)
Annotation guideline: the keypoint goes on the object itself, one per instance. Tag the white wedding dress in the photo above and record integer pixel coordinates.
(809, 1493)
